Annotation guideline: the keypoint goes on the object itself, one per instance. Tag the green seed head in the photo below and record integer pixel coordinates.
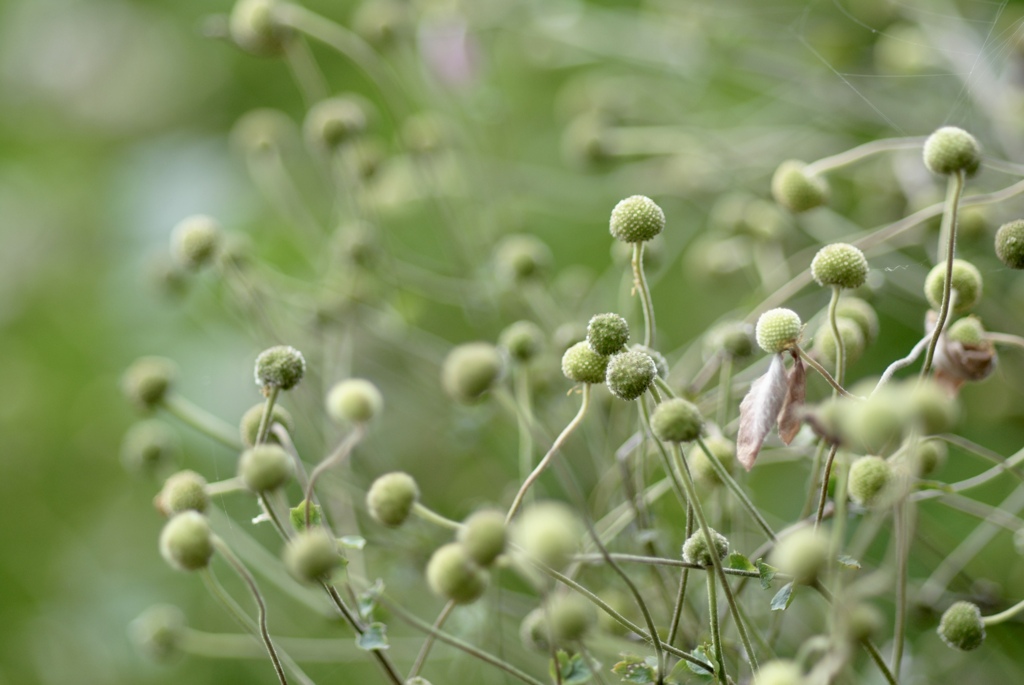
(967, 331)
(186, 541)
(149, 447)
(779, 672)
(778, 330)
(703, 472)
(158, 632)
(636, 219)
(1010, 244)
(279, 367)
(871, 480)
(696, 549)
(312, 555)
(254, 27)
(336, 121)
(840, 264)
(265, 467)
(549, 532)
(184, 491)
(734, 338)
(354, 401)
(966, 282)
(803, 553)
(677, 420)
(961, 626)
(659, 359)
(451, 574)
(195, 241)
(522, 257)
(825, 341)
(147, 381)
(796, 190)
(249, 426)
(570, 616)
(862, 313)
(630, 374)
(930, 456)
(523, 340)
(483, 535)
(950, 150)
(581, 364)
(391, 497)
(470, 370)
(607, 334)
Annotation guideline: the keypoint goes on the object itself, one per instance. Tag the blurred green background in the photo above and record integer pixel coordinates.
(114, 123)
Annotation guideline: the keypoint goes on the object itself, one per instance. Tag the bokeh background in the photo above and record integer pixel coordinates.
(115, 122)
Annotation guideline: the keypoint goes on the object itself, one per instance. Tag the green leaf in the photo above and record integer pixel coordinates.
(573, 669)
(702, 652)
(352, 541)
(368, 598)
(848, 561)
(375, 637)
(297, 515)
(740, 563)
(783, 598)
(767, 574)
(635, 669)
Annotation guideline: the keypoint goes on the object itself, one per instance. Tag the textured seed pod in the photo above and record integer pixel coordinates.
(195, 241)
(840, 264)
(147, 381)
(255, 29)
(470, 370)
(483, 535)
(778, 330)
(158, 632)
(825, 341)
(354, 401)
(961, 626)
(630, 374)
(249, 426)
(149, 447)
(1010, 244)
(570, 616)
(186, 542)
(549, 532)
(659, 359)
(967, 331)
(279, 367)
(312, 555)
(803, 554)
(871, 480)
(265, 467)
(862, 313)
(779, 672)
(636, 219)
(696, 549)
(184, 491)
(452, 575)
(951, 149)
(607, 334)
(391, 498)
(677, 420)
(581, 364)
(335, 121)
(522, 257)
(700, 466)
(523, 340)
(796, 190)
(967, 285)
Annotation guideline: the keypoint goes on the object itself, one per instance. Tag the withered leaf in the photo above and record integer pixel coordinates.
(791, 414)
(759, 411)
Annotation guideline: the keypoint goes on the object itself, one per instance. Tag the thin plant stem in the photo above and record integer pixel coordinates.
(735, 488)
(428, 642)
(224, 487)
(268, 509)
(716, 634)
(337, 456)
(813, 363)
(353, 620)
(266, 418)
(840, 343)
(902, 363)
(677, 608)
(640, 284)
(737, 615)
(862, 151)
(812, 488)
(954, 191)
(1005, 339)
(1006, 615)
(203, 421)
(305, 71)
(823, 494)
(432, 516)
(901, 523)
(724, 390)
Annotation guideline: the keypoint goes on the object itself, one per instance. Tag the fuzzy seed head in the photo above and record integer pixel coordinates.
(659, 359)
(967, 285)
(825, 341)
(636, 219)
(149, 447)
(803, 553)
(312, 555)
(930, 456)
(961, 626)
(796, 190)
(354, 401)
(265, 467)
(184, 491)
(158, 632)
(523, 340)
(522, 257)
(871, 480)
(950, 150)
(696, 549)
(470, 370)
(778, 330)
(549, 532)
(451, 574)
(779, 672)
(335, 121)
(279, 367)
(735, 339)
(840, 264)
(630, 374)
(677, 420)
(147, 381)
(967, 331)
(186, 542)
(483, 536)
(391, 497)
(861, 313)
(581, 364)
(195, 241)
(607, 334)
(1010, 244)
(255, 29)
(570, 616)
(249, 426)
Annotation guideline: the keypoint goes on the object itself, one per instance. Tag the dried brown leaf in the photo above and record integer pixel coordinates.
(759, 411)
(791, 414)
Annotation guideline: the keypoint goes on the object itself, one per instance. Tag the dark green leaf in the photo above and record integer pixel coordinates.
(574, 669)
(740, 563)
(703, 653)
(767, 574)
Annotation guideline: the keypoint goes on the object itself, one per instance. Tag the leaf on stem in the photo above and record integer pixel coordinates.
(636, 669)
(375, 637)
(783, 598)
(791, 416)
(739, 562)
(702, 652)
(573, 669)
(368, 599)
(767, 573)
(759, 411)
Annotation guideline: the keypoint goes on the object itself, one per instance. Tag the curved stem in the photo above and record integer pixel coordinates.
(1006, 615)
(380, 655)
(266, 417)
(840, 343)
(431, 516)
(716, 633)
(954, 191)
(813, 363)
(724, 391)
(421, 658)
(640, 283)
(733, 486)
(203, 421)
(862, 151)
(823, 496)
(339, 454)
(902, 363)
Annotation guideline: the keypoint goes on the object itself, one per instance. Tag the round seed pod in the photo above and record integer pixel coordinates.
(186, 542)
(148, 381)
(312, 555)
(158, 632)
(336, 121)
(861, 313)
(522, 257)
(967, 331)
(803, 553)
(533, 631)
(391, 498)
(825, 341)
(607, 334)
(779, 672)
(796, 190)
(930, 456)
(279, 367)
(778, 330)
(700, 466)
(149, 447)
(523, 340)
(254, 28)
(630, 374)
(734, 338)
(354, 401)
(452, 575)
(1010, 244)
(249, 426)
(871, 480)
(659, 359)
(184, 491)
(483, 535)
(549, 532)
(677, 420)
(967, 285)
(265, 467)
(961, 626)
(950, 150)
(195, 241)
(840, 264)
(581, 364)
(696, 549)
(570, 616)
(470, 370)
(636, 219)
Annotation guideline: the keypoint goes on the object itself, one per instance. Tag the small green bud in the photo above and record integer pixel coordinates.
(967, 286)
(796, 190)
(961, 626)
(779, 672)
(659, 359)
(249, 426)
(312, 555)
(354, 401)
(186, 541)
(696, 549)
(452, 575)
(523, 340)
(262, 130)
(700, 466)
(381, 22)
(149, 447)
(778, 330)
(297, 515)
(967, 331)
(483, 535)
(549, 532)
(522, 257)
(581, 364)
(1010, 244)
(570, 616)
(735, 338)
(930, 456)
(279, 367)
(840, 264)
(147, 381)
(636, 219)
(533, 631)
(470, 370)
(803, 553)
(677, 420)
(861, 313)
(607, 334)
(335, 121)
(871, 480)
(265, 467)
(184, 491)
(391, 498)
(825, 341)
(951, 149)
(158, 632)
(630, 374)
(195, 241)
(255, 29)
